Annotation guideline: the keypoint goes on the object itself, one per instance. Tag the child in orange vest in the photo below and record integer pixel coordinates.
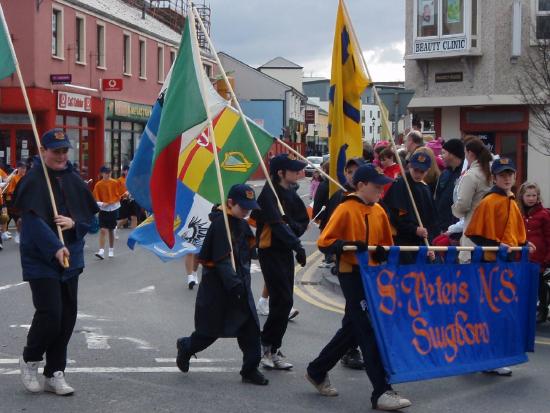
(107, 194)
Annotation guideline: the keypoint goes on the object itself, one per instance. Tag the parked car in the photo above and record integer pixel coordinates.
(316, 160)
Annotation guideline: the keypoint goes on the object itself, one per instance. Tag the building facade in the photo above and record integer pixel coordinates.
(92, 67)
(464, 59)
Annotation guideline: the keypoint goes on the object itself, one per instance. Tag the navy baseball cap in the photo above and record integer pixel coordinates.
(104, 169)
(355, 162)
(244, 196)
(501, 165)
(55, 139)
(283, 162)
(421, 161)
(370, 173)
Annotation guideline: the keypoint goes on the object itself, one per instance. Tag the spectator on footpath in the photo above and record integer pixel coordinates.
(53, 286)
(358, 221)
(436, 145)
(390, 167)
(13, 213)
(537, 224)
(413, 141)
(472, 187)
(452, 154)
(433, 173)
(107, 195)
(314, 184)
(225, 304)
(497, 220)
(321, 197)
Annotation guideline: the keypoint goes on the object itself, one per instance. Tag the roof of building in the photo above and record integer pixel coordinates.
(280, 63)
(129, 16)
(264, 75)
(314, 79)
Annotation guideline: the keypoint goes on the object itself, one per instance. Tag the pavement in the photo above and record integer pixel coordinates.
(133, 307)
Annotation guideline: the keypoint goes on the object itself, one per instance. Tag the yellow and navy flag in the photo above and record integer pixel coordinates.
(348, 80)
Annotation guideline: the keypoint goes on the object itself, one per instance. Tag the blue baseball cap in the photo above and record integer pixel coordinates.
(420, 161)
(283, 162)
(501, 165)
(244, 196)
(370, 173)
(55, 139)
(104, 169)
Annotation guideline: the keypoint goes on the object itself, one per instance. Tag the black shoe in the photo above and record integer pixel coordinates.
(542, 316)
(183, 357)
(353, 360)
(255, 377)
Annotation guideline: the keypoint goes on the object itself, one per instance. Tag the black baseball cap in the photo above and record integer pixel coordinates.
(244, 196)
(55, 139)
(283, 162)
(420, 161)
(370, 173)
(104, 169)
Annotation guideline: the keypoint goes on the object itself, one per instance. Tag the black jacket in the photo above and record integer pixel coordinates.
(224, 300)
(443, 197)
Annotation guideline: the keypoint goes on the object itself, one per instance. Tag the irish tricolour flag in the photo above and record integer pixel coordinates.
(184, 152)
(7, 62)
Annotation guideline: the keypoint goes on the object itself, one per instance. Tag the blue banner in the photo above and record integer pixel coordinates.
(437, 320)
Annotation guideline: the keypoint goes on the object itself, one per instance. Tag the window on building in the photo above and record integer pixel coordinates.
(543, 19)
(160, 63)
(453, 17)
(126, 55)
(428, 18)
(172, 57)
(57, 33)
(80, 40)
(100, 38)
(142, 59)
(474, 24)
(436, 18)
(370, 130)
(378, 115)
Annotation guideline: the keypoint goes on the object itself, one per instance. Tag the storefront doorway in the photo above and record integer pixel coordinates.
(81, 131)
(16, 144)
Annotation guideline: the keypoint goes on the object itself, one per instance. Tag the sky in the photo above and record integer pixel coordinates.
(302, 31)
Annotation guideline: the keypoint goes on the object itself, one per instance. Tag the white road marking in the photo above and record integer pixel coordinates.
(95, 339)
(16, 361)
(25, 326)
(148, 289)
(83, 316)
(8, 286)
(134, 370)
(193, 360)
(142, 344)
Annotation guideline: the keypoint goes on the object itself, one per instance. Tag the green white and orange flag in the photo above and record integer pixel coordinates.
(183, 148)
(7, 61)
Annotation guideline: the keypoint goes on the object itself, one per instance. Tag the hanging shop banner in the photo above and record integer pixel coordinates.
(74, 102)
(438, 320)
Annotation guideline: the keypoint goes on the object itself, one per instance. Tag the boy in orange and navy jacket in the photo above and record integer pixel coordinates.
(107, 194)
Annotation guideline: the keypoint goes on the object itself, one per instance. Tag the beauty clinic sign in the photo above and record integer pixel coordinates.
(74, 102)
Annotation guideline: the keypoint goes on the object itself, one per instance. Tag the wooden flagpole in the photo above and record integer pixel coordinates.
(238, 107)
(212, 137)
(35, 131)
(414, 248)
(386, 122)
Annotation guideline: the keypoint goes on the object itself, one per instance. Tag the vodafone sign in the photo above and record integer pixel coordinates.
(74, 102)
(111, 85)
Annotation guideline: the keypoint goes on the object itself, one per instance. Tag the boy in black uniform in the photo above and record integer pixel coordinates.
(401, 212)
(225, 305)
(278, 236)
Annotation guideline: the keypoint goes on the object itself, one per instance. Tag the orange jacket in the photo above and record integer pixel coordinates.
(353, 220)
(107, 191)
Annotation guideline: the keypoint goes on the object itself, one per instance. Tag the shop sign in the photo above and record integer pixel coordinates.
(448, 77)
(111, 85)
(455, 44)
(127, 110)
(61, 78)
(309, 117)
(74, 102)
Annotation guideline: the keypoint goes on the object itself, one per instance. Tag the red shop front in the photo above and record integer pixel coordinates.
(81, 116)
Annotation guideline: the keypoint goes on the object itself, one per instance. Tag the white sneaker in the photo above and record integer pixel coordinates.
(391, 400)
(192, 280)
(111, 252)
(100, 254)
(279, 363)
(267, 361)
(501, 371)
(115, 231)
(293, 313)
(29, 375)
(16, 239)
(263, 306)
(58, 385)
(6, 236)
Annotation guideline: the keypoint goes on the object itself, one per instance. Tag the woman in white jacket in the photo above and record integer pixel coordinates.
(472, 187)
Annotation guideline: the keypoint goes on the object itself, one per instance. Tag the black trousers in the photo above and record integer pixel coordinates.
(543, 294)
(248, 338)
(278, 270)
(55, 303)
(356, 328)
